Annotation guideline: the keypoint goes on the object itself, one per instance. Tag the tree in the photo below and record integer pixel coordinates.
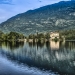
(47, 36)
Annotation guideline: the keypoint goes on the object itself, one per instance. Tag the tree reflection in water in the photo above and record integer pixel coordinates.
(56, 56)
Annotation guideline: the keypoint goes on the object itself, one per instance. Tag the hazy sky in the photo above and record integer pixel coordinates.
(9, 8)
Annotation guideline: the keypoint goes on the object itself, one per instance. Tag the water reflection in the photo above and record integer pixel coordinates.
(12, 45)
(54, 45)
(55, 56)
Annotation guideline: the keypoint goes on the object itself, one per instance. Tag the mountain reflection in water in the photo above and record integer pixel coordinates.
(50, 57)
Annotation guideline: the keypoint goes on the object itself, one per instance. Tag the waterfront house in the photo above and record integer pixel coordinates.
(54, 35)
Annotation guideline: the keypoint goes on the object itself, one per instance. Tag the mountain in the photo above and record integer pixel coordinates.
(58, 16)
(72, 0)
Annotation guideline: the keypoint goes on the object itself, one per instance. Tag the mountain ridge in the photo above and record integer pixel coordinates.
(58, 16)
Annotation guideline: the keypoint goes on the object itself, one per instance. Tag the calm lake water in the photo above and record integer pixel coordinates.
(51, 58)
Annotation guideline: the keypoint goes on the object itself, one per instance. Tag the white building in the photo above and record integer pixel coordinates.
(54, 35)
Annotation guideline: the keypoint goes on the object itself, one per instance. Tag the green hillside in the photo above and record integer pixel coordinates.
(59, 16)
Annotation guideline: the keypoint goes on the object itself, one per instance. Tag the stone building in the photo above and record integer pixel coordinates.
(54, 35)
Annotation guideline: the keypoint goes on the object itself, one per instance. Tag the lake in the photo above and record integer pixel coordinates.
(50, 58)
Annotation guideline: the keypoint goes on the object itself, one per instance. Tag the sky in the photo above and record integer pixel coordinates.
(9, 8)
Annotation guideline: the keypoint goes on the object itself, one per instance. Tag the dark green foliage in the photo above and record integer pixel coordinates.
(1, 35)
(30, 36)
(68, 34)
(12, 36)
(47, 36)
(55, 39)
(41, 35)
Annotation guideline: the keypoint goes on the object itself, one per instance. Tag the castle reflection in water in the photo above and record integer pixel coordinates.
(52, 45)
(50, 55)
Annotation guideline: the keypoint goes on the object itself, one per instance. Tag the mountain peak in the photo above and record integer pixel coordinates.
(58, 16)
(72, 0)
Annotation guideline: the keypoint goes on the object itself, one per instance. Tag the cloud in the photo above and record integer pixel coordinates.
(5, 1)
